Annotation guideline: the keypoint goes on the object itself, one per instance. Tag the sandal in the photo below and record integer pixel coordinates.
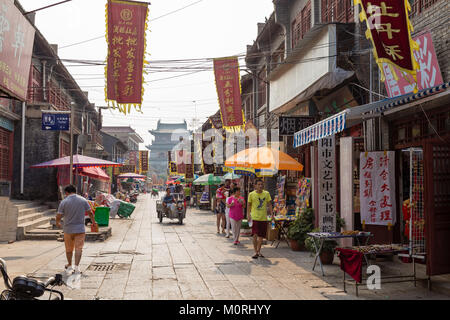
(255, 256)
(260, 255)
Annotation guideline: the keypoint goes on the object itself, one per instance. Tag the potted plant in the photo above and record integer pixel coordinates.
(327, 253)
(298, 230)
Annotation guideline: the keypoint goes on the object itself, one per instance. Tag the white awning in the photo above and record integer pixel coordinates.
(351, 116)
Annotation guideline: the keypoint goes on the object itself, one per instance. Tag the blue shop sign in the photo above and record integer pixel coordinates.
(55, 121)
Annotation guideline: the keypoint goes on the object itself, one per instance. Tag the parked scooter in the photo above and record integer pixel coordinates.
(24, 288)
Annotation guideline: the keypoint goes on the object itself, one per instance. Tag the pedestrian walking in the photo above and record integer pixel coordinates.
(259, 203)
(220, 208)
(236, 205)
(73, 208)
(228, 192)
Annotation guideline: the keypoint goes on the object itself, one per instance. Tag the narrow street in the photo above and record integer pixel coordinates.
(190, 261)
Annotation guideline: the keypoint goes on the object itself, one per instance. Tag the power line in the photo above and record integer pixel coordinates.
(102, 36)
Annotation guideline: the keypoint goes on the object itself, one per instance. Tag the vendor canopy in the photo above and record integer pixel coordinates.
(79, 161)
(353, 116)
(94, 172)
(263, 158)
(131, 175)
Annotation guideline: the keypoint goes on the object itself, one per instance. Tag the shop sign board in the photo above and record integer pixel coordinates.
(429, 74)
(127, 168)
(132, 158)
(288, 126)
(327, 184)
(56, 121)
(377, 188)
(16, 46)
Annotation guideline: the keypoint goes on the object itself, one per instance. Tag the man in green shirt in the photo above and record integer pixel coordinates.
(259, 203)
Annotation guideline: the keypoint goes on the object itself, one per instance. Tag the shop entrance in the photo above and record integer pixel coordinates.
(437, 204)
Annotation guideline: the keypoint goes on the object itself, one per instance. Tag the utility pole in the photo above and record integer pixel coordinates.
(72, 115)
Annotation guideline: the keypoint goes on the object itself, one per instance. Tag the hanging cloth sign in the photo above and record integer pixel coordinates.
(389, 29)
(377, 188)
(126, 24)
(428, 76)
(228, 85)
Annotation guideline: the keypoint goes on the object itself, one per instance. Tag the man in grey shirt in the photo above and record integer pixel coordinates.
(73, 209)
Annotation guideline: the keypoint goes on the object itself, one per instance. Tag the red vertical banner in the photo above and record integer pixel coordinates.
(144, 161)
(228, 85)
(126, 26)
(389, 28)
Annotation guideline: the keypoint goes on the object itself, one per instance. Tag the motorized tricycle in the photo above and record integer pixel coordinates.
(165, 212)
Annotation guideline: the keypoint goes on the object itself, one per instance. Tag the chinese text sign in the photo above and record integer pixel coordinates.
(429, 74)
(16, 47)
(226, 71)
(389, 28)
(126, 49)
(327, 184)
(377, 188)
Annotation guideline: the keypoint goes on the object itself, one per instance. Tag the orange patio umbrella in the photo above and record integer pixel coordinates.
(264, 158)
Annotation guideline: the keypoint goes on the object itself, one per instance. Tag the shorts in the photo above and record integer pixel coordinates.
(259, 228)
(220, 208)
(74, 240)
(188, 198)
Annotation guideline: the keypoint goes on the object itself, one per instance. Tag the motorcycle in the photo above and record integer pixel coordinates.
(165, 212)
(133, 197)
(24, 288)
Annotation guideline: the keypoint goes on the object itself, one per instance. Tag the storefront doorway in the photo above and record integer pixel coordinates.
(437, 204)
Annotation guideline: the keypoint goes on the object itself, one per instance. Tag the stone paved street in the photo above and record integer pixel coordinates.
(190, 261)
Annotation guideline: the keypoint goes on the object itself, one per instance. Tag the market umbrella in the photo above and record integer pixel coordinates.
(231, 176)
(209, 179)
(94, 172)
(79, 161)
(263, 158)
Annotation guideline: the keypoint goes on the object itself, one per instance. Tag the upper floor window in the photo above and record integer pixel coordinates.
(337, 11)
(418, 6)
(301, 24)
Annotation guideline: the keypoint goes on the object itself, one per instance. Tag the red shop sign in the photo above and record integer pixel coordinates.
(16, 47)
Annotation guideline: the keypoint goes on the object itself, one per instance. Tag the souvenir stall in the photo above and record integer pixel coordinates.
(378, 207)
(209, 183)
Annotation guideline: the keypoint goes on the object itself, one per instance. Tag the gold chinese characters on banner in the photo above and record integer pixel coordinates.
(389, 29)
(228, 85)
(126, 23)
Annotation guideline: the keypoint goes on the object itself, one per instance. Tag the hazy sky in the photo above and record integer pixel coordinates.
(206, 29)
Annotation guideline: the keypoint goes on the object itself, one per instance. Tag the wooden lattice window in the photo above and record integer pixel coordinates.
(5, 150)
(337, 11)
(407, 132)
(418, 6)
(64, 148)
(301, 24)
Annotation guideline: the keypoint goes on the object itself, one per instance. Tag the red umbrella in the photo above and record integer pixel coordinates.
(95, 173)
(79, 161)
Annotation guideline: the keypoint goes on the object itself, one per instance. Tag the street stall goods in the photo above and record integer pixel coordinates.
(320, 237)
(352, 263)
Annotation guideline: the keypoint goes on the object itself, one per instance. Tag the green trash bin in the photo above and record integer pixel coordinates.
(125, 209)
(102, 216)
